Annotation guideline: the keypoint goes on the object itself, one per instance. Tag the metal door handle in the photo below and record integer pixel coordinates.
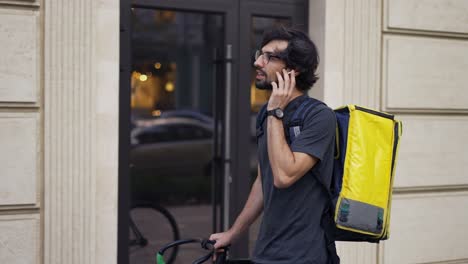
(227, 137)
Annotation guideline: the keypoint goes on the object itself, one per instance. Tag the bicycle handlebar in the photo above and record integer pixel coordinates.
(205, 244)
(177, 243)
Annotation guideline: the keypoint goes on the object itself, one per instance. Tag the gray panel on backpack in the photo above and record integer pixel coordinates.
(360, 216)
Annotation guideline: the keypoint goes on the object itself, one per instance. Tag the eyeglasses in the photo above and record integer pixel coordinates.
(266, 56)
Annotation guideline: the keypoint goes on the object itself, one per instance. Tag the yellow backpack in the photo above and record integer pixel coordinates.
(365, 157)
(366, 152)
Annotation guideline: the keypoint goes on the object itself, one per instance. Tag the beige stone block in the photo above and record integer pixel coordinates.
(449, 16)
(357, 253)
(19, 56)
(427, 228)
(33, 3)
(432, 151)
(19, 138)
(425, 73)
(20, 239)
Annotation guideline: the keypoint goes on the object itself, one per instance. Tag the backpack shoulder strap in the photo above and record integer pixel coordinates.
(261, 116)
(299, 114)
(297, 121)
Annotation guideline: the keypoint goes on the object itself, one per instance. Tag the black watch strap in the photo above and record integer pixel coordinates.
(277, 112)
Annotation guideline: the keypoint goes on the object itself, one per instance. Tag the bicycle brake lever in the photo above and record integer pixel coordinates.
(206, 242)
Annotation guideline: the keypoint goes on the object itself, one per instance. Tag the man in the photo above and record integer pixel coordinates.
(289, 188)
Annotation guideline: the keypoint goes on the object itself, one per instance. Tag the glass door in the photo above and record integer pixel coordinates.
(177, 112)
(187, 95)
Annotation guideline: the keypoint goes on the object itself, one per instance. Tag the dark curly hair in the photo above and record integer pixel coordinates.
(300, 55)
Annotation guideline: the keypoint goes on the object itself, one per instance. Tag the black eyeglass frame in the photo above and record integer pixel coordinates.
(268, 55)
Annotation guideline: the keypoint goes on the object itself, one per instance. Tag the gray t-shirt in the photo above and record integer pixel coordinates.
(290, 231)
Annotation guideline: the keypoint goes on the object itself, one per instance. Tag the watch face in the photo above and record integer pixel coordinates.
(279, 113)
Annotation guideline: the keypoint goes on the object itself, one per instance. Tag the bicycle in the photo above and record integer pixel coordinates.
(221, 255)
(143, 216)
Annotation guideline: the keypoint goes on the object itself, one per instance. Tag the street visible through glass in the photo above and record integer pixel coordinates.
(172, 126)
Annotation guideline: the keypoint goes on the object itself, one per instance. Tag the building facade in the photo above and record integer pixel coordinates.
(60, 66)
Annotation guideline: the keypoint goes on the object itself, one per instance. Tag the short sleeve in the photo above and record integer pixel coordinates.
(317, 134)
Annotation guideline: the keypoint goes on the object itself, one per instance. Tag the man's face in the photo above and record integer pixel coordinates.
(266, 69)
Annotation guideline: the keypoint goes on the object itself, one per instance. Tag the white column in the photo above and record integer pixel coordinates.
(81, 60)
(348, 35)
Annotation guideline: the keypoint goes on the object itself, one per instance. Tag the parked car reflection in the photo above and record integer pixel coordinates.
(171, 156)
(178, 142)
(174, 150)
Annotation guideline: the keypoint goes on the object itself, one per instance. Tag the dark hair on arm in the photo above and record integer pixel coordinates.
(300, 55)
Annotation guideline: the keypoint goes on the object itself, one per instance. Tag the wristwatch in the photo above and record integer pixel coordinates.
(277, 112)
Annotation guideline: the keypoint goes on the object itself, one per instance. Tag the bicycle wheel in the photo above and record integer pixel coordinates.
(151, 227)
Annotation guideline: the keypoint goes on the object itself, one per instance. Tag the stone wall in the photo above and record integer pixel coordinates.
(59, 72)
(21, 132)
(409, 58)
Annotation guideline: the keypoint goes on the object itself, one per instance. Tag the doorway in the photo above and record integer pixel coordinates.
(189, 140)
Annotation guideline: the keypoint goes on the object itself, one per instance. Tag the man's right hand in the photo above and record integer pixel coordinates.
(222, 239)
(251, 211)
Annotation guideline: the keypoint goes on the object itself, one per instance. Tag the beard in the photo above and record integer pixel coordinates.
(264, 84)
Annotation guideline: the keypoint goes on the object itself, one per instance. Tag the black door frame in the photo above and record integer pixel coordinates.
(238, 14)
(125, 68)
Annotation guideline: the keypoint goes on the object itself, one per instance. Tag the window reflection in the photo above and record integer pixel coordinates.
(172, 61)
(153, 86)
(172, 122)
